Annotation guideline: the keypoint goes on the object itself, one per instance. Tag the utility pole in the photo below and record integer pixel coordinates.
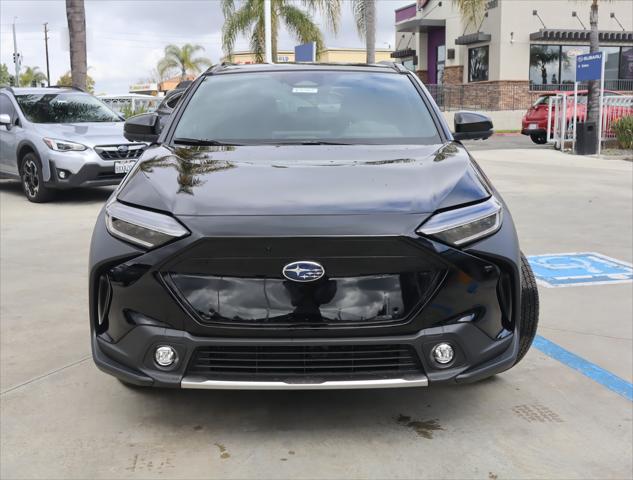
(48, 72)
(268, 32)
(16, 57)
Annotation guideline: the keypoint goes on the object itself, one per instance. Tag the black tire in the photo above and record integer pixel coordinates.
(539, 139)
(32, 182)
(529, 309)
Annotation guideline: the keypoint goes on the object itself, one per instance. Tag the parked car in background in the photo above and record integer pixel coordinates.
(308, 226)
(55, 138)
(131, 104)
(534, 121)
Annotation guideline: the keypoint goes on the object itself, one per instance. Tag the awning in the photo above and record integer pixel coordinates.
(473, 38)
(581, 35)
(407, 52)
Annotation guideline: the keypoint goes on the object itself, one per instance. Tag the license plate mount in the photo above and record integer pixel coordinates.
(123, 166)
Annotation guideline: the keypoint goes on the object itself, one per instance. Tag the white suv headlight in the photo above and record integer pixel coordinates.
(466, 224)
(142, 227)
(63, 145)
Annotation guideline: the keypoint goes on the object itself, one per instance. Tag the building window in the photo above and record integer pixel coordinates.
(441, 62)
(556, 64)
(612, 62)
(568, 64)
(544, 64)
(626, 63)
(478, 64)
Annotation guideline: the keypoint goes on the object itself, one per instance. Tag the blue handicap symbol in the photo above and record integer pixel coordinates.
(569, 269)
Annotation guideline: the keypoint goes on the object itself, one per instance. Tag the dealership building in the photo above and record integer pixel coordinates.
(516, 46)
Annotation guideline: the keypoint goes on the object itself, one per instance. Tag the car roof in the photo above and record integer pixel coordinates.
(41, 90)
(386, 67)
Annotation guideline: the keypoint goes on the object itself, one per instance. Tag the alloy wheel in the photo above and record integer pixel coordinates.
(30, 178)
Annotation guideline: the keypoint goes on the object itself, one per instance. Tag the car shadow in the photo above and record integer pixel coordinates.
(423, 412)
(77, 195)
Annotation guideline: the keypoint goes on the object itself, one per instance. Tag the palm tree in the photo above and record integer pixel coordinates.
(471, 10)
(182, 59)
(76, 17)
(32, 76)
(365, 16)
(248, 17)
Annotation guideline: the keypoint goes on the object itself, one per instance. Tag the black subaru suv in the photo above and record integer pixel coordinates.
(303, 227)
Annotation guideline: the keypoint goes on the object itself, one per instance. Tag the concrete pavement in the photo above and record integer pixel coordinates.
(62, 418)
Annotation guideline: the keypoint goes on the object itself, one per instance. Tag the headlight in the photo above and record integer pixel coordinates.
(142, 227)
(464, 225)
(63, 145)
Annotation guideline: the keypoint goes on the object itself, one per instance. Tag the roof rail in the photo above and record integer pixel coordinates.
(217, 67)
(66, 86)
(8, 88)
(395, 65)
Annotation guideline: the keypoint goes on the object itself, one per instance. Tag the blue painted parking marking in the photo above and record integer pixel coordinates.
(588, 369)
(575, 269)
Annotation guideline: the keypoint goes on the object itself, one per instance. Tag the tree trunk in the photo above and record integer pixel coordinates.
(76, 16)
(593, 96)
(370, 32)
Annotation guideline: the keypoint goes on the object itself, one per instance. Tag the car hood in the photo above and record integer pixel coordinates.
(90, 134)
(304, 180)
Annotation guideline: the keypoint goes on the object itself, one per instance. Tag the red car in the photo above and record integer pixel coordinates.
(534, 121)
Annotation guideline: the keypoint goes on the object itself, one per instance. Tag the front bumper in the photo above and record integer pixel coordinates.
(138, 346)
(143, 312)
(83, 169)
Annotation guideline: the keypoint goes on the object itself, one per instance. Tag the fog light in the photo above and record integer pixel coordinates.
(63, 174)
(165, 356)
(443, 353)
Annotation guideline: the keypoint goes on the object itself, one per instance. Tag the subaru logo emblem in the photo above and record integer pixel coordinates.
(122, 148)
(303, 271)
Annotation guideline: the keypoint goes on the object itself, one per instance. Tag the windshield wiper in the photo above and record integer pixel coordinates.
(204, 142)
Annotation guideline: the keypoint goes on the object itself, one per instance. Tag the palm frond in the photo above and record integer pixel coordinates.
(329, 9)
(359, 9)
(239, 22)
(300, 25)
(471, 10)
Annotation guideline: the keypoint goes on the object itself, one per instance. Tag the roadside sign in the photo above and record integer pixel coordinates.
(589, 67)
(575, 269)
(305, 52)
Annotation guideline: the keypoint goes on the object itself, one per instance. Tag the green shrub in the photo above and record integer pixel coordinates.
(623, 129)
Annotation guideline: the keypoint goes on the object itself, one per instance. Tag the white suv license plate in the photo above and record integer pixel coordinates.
(123, 166)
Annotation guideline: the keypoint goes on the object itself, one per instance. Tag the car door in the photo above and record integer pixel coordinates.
(8, 138)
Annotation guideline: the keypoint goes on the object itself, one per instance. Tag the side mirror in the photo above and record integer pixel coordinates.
(472, 126)
(5, 120)
(142, 128)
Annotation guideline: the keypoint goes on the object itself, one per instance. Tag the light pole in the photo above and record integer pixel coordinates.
(268, 39)
(16, 56)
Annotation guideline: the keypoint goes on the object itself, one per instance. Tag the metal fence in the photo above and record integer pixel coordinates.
(503, 96)
(563, 117)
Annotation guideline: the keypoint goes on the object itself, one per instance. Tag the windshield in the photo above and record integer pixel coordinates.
(64, 108)
(294, 107)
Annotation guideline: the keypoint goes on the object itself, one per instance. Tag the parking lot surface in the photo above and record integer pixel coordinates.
(61, 417)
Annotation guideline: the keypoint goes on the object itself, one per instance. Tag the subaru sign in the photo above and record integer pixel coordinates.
(305, 52)
(589, 67)
(572, 269)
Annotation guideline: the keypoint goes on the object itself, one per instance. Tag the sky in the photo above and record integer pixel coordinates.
(126, 38)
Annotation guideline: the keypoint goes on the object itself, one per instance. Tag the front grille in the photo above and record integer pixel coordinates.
(324, 362)
(370, 281)
(120, 152)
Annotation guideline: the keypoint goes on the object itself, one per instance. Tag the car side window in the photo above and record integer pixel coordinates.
(7, 107)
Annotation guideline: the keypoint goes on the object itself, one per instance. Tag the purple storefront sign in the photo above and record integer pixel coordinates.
(406, 13)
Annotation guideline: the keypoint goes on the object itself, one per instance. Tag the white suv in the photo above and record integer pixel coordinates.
(52, 138)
